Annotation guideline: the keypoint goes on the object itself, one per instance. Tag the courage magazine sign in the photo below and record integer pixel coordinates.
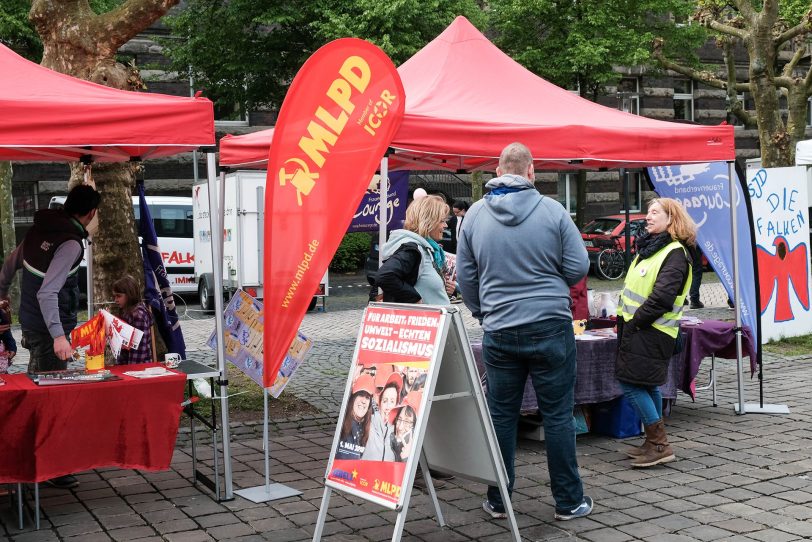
(384, 404)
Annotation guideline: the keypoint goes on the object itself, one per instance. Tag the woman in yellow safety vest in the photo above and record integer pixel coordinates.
(649, 311)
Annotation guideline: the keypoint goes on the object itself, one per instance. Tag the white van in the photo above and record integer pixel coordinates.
(172, 218)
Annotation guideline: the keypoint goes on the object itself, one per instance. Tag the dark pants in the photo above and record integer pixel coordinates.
(41, 352)
(545, 351)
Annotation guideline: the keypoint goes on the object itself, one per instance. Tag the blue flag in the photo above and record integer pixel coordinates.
(157, 292)
(704, 191)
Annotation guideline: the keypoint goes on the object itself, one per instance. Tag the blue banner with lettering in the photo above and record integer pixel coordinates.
(367, 217)
(704, 191)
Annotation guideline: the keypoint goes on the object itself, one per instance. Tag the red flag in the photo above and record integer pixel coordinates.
(338, 118)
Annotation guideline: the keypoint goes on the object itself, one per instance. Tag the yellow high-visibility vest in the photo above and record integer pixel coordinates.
(639, 284)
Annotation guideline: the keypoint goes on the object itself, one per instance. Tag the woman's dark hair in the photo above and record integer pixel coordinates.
(81, 200)
(461, 205)
(346, 427)
(128, 286)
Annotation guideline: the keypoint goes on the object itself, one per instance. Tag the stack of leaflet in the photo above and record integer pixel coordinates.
(58, 378)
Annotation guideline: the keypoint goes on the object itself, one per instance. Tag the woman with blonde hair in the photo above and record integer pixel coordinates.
(649, 311)
(413, 268)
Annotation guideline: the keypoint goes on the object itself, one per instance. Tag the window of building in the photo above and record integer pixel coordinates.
(809, 111)
(684, 99)
(568, 191)
(637, 182)
(628, 95)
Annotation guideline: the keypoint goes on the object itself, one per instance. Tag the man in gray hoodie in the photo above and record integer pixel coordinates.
(517, 255)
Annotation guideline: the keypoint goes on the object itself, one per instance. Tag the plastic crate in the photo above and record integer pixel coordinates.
(616, 418)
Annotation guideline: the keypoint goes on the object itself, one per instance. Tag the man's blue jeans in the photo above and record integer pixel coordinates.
(646, 401)
(546, 351)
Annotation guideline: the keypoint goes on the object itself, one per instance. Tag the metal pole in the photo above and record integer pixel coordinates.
(736, 290)
(89, 260)
(383, 210)
(624, 173)
(266, 445)
(215, 222)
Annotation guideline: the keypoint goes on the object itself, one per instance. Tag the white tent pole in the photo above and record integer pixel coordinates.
(216, 221)
(736, 290)
(383, 210)
(89, 258)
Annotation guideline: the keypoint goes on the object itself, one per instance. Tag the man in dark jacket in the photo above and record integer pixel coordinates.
(49, 257)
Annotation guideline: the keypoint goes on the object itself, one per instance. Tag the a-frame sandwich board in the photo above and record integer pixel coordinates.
(440, 398)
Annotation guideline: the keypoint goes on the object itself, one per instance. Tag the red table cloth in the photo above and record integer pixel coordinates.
(49, 431)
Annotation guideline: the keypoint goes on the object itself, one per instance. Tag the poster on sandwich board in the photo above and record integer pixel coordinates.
(382, 415)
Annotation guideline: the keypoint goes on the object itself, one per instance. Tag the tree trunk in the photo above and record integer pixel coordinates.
(773, 137)
(78, 42)
(7, 224)
(476, 186)
(115, 244)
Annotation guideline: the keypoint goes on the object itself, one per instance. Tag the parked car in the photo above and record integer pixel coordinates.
(598, 234)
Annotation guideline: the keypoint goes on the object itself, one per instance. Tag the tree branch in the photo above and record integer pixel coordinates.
(127, 20)
(790, 66)
(699, 75)
(728, 30)
(808, 81)
(797, 30)
(735, 106)
(745, 7)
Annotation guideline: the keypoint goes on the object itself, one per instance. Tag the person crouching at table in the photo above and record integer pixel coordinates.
(649, 312)
(133, 311)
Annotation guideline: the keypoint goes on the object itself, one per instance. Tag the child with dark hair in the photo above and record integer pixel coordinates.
(133, 311)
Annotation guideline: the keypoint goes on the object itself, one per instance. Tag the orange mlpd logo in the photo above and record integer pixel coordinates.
(301, 179)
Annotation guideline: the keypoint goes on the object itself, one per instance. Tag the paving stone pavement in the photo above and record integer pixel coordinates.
(736, 478)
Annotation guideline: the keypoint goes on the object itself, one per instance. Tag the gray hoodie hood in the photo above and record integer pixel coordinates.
(399, 237)
(516, 205)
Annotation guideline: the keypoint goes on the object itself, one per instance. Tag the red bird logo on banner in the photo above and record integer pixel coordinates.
(777, 271)
(337, 120)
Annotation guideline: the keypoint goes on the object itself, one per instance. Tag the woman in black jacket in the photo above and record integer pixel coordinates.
(649, 311)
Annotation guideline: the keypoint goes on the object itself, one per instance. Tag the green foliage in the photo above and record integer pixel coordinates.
(399, 27)
(243, 52)
(579, 43)
(15, 30)
(351, 253)
(247, 52)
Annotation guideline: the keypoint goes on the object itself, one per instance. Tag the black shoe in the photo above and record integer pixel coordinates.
(63, 482)
(697, 304)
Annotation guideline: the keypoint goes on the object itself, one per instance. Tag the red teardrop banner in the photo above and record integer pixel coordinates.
(335, 125)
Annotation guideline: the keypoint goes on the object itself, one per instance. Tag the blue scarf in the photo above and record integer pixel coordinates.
(501, 190)
(439, 253)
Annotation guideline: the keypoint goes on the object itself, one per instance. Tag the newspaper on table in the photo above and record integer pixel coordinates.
(243, 326)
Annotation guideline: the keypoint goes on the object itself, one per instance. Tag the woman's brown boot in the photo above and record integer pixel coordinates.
(635, 451)
(657, 450)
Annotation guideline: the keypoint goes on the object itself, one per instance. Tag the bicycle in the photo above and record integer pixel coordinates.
(611, 261)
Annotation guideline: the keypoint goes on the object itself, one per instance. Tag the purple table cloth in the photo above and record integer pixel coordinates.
(712, 337)
(595, 381)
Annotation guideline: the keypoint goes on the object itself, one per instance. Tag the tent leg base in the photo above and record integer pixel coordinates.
(755, 408)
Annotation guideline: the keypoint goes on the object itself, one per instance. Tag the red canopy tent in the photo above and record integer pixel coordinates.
(246, 151)
(49, 116)
(466, 100)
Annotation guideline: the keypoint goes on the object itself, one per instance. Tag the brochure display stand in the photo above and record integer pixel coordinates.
(413, 395)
